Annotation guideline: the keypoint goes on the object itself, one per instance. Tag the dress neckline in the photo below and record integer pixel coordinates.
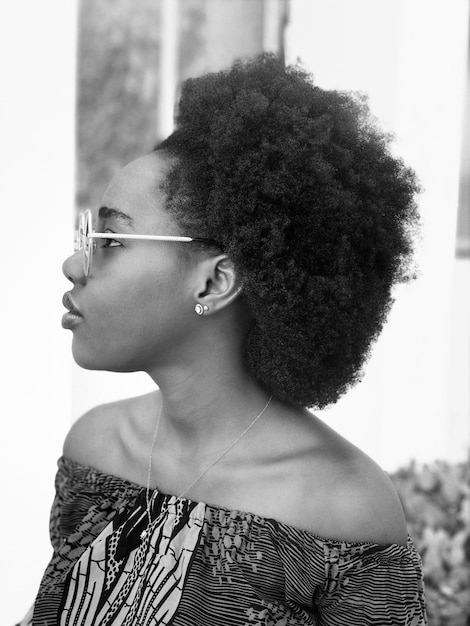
(105, 478)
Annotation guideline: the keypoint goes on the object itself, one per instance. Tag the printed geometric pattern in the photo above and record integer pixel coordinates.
(143, 588)
(203, 565)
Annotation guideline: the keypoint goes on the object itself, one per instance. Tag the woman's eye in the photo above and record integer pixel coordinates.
(110, 243)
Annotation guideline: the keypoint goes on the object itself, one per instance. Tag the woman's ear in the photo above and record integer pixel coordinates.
(217, 285)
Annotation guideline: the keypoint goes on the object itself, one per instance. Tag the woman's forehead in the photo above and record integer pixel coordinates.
(143, 176)
(136, 191)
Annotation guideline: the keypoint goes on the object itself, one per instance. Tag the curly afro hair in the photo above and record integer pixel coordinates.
(300, 187)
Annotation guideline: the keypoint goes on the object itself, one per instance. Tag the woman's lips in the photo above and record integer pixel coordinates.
(73, 317)
(69, 320)
(69, 304)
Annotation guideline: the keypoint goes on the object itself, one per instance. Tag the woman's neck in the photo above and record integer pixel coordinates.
(204, 407)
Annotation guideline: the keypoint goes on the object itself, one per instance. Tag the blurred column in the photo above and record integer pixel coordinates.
(213, 33)
(459, 423)
(170, 15)
(275, 19)
(463, 222)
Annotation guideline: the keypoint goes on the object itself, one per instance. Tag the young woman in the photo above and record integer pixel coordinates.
(246, 265)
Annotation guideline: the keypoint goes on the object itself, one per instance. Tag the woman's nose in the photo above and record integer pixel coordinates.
(72, 268)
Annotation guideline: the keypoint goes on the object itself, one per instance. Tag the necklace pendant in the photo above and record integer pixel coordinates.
(144, 534)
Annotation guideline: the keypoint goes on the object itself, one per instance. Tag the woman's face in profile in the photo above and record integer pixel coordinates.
(137, 304)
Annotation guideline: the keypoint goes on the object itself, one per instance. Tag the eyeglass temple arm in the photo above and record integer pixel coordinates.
(150, 237)
(129, 236)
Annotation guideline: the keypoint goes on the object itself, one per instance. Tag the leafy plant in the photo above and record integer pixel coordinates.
(436, 499)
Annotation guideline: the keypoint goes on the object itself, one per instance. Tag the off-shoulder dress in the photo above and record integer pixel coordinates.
(204, 565)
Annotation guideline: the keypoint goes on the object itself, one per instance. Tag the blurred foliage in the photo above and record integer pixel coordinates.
(437, 503)
(118, 77)
(118, 70)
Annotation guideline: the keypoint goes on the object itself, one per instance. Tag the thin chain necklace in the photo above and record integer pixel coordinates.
(145, 532)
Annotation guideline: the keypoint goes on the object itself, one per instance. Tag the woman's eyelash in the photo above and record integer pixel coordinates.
(109, 242)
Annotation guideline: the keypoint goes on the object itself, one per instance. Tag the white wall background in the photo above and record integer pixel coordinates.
(37, 104)
(409, 55)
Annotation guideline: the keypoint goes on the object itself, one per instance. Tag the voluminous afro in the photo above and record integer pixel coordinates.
(300, 187)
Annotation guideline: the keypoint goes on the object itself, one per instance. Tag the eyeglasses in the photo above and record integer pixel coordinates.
(85, 239)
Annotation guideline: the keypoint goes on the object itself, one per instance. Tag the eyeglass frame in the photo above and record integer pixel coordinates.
(85, 234)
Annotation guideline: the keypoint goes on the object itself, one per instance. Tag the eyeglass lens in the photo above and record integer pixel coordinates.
(84, 242)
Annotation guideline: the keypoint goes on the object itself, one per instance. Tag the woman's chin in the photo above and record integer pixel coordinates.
(92, 361)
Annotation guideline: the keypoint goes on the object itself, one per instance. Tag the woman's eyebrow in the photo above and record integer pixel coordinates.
(120, 217)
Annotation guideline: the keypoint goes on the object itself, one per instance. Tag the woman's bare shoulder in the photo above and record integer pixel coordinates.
(95, 438)
(340, 492)
(359, 500)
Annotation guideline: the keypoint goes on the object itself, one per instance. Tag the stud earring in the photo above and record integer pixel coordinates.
(201, 309)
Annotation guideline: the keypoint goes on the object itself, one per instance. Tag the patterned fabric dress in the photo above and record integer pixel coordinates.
(203, 565)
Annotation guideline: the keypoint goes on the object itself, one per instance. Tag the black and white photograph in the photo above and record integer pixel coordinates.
(235, 312)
